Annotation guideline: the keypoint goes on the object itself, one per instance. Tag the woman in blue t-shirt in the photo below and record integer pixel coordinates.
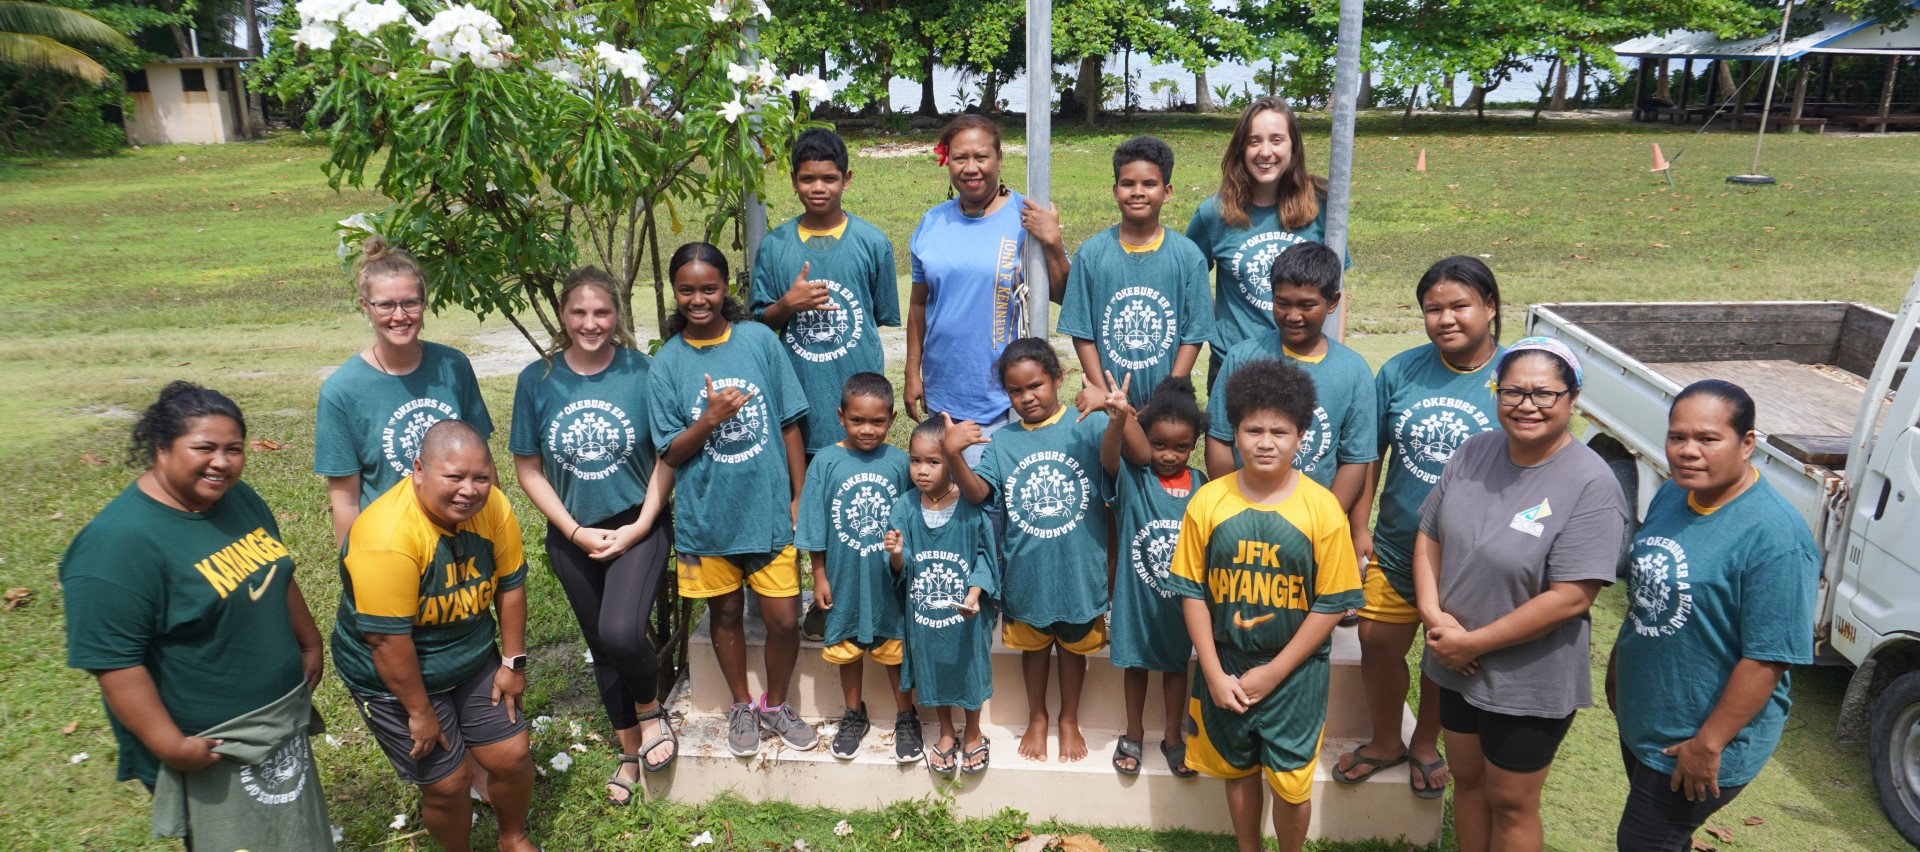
(968, 298)
(584, 456)
(1720, 599)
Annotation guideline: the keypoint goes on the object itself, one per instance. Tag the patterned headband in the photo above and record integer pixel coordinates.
(1555, 348)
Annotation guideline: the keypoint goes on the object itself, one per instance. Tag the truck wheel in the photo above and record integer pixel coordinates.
(1627, 472)
(1893, 751)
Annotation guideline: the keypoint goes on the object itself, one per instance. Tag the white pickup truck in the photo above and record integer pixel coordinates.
(1839, 438)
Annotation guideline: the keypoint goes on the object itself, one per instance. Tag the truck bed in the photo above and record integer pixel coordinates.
(1789, 398)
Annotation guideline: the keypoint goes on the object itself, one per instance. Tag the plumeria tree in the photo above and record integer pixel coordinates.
(523, 137)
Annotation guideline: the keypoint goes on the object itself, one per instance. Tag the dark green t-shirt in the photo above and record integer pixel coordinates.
(1138, 307)
(370, 424)
(844, 508)
(590, 432)
(198, 598)
(1242, 259)
(828, 346)
(1342, 431)
(1048, 479)
(1149, 631)
(1427, 410)
(947, 659)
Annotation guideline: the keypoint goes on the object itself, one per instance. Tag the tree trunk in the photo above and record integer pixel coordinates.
(1886, 91)
(1580, 88)
(1723, 76)
(1800, 95)
(1546, 91)
(1366, 88)
(1202, 96)
(1087, 87)
(1559, 102)
(990, 93)
(256, 122)
(1662, 89)
(1412, 95)
(1476, 100)
(1449, 81)
(928, 104)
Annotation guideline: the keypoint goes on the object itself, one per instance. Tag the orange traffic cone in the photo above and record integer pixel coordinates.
(1420, 165)
(1660, 163)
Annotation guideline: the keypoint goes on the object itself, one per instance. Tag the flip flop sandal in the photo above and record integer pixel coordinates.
(1425, 772)
(1176, 756)
(980, 752)
(935, 755)
(666, 735)
(1124, 749)
(615, 780)
(1373, 764)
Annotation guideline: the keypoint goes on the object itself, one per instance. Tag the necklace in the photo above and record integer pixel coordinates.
(1475, 368)
(375, 349)
(944, 495)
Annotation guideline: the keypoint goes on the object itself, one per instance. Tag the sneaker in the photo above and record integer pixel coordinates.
(743, 731)
(784, 721)
(907, 745)
(853, 729)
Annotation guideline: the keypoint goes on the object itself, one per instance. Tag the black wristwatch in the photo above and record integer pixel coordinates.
(517, 663)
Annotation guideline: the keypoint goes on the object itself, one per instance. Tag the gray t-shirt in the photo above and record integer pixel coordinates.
(1506, 532)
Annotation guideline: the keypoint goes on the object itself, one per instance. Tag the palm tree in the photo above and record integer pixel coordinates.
(36, 36)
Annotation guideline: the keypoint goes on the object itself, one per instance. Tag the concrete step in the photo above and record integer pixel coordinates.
(1087, 792)
(816, 694)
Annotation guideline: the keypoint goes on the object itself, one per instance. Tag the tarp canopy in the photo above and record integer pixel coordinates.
(1838, 33)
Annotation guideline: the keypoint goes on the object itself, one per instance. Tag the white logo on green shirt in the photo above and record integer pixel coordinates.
(1315, 444)
(1047, 494)
(280, 778)
(1152, 554)
(1252, 262)
(1428, 432)
(860, 510)
(825, 335)
(407, 427)
(745, 434)
(1658, 592)
(1138, 326)
(590, 438)
(939, 585)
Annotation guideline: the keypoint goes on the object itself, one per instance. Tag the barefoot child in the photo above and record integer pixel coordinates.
(850, 491)
(942, 547)
(725, 410)
(1044, 472)
(824, 280)
(1266, 566)
(1148, 459)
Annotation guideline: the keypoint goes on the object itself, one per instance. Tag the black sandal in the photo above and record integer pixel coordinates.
(935, 754)
(1125, 748)
(1176, 756)
(966, 760)
(666, 735)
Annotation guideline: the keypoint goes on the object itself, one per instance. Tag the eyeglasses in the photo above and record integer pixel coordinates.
(1542, 399)
(386, 308)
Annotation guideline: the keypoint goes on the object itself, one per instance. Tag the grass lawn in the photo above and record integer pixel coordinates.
(217, 264)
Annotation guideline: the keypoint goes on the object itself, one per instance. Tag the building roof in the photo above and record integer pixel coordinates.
(1837, 33)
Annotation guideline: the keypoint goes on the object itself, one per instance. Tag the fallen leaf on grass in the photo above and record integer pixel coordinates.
(1703, 846)
(56, 516)
(1661, 245)
(896, 833)
(1755, 821)
(89, 458)
(1081, 843)
(1035, 843)
(1724, 835)
(16, 598)
(289, 516)
(266, 445)
(70, 728)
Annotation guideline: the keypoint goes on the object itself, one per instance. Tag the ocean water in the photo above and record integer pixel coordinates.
(947, 83)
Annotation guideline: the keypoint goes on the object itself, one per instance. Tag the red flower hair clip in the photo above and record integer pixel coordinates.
(940, 151)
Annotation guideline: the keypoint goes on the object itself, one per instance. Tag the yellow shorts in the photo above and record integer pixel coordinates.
(1384, 603)
(1293, 786)
(712, 576)
(887, 653)
(1082, 639)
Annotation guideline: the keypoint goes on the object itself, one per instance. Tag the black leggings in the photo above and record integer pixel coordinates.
(1656, 818)
(613, 601)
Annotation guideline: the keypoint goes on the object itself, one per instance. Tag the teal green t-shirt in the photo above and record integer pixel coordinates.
(197, 598)
(1149, 631)
(1343, 427)
(948, 658)
(844, 507)
(1427, 410)
(827, 346)
(370, 423)
(1048, 480)
(1138, 308)
(731, 497)
(590, 432)
(1706, 591)
(1241, 259)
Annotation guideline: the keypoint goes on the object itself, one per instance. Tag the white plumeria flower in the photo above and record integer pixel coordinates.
(316, 35)
(627, 62)
(333, 741)
(800, 844)
(78, 758)
(466, 32)
(732, 110)
(573, 727)
(422, 106)
(561, 762)
(563, 69)
(682, 50)
(816, 90)
(756, 100)
(705, 838)
(579, 747)
(761, 8)
(541, 723)
(738, 74)
(766, 74)
(364, 19)
(399, 822)
(842, 829)
(356, 222)
(338, 835)
(720, 10)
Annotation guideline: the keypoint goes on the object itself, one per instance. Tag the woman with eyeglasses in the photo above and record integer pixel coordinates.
(375, 409)
(1516, 539)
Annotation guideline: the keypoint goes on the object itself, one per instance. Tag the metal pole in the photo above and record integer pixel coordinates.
(754, 215)
(1346, 94)
(1753, 175)
(1033, 320)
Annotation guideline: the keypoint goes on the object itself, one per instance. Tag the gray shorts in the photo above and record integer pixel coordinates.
(467, 718)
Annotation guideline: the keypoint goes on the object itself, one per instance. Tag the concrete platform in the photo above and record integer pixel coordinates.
(1086, 792)
(816, 688)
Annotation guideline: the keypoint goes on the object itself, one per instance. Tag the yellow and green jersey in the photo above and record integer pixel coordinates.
(400, 573)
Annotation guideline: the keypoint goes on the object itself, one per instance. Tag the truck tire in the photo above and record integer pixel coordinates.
(1893, 752)
(1627, 472)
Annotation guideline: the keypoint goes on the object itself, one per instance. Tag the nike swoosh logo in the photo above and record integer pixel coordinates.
(1245, 623)
(254, 592)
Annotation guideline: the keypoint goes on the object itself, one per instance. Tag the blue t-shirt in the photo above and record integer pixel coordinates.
(1138, 307)
(1706, 591)
(1342, 431)
(1048, 480)
(844, 507)
(1427, 410)
(828, 346)
(975, 286)
(731, 496)
(1242, 259)
(590, 432)
(370, 422)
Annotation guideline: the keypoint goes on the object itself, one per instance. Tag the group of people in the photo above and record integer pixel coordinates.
(1069, 525)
